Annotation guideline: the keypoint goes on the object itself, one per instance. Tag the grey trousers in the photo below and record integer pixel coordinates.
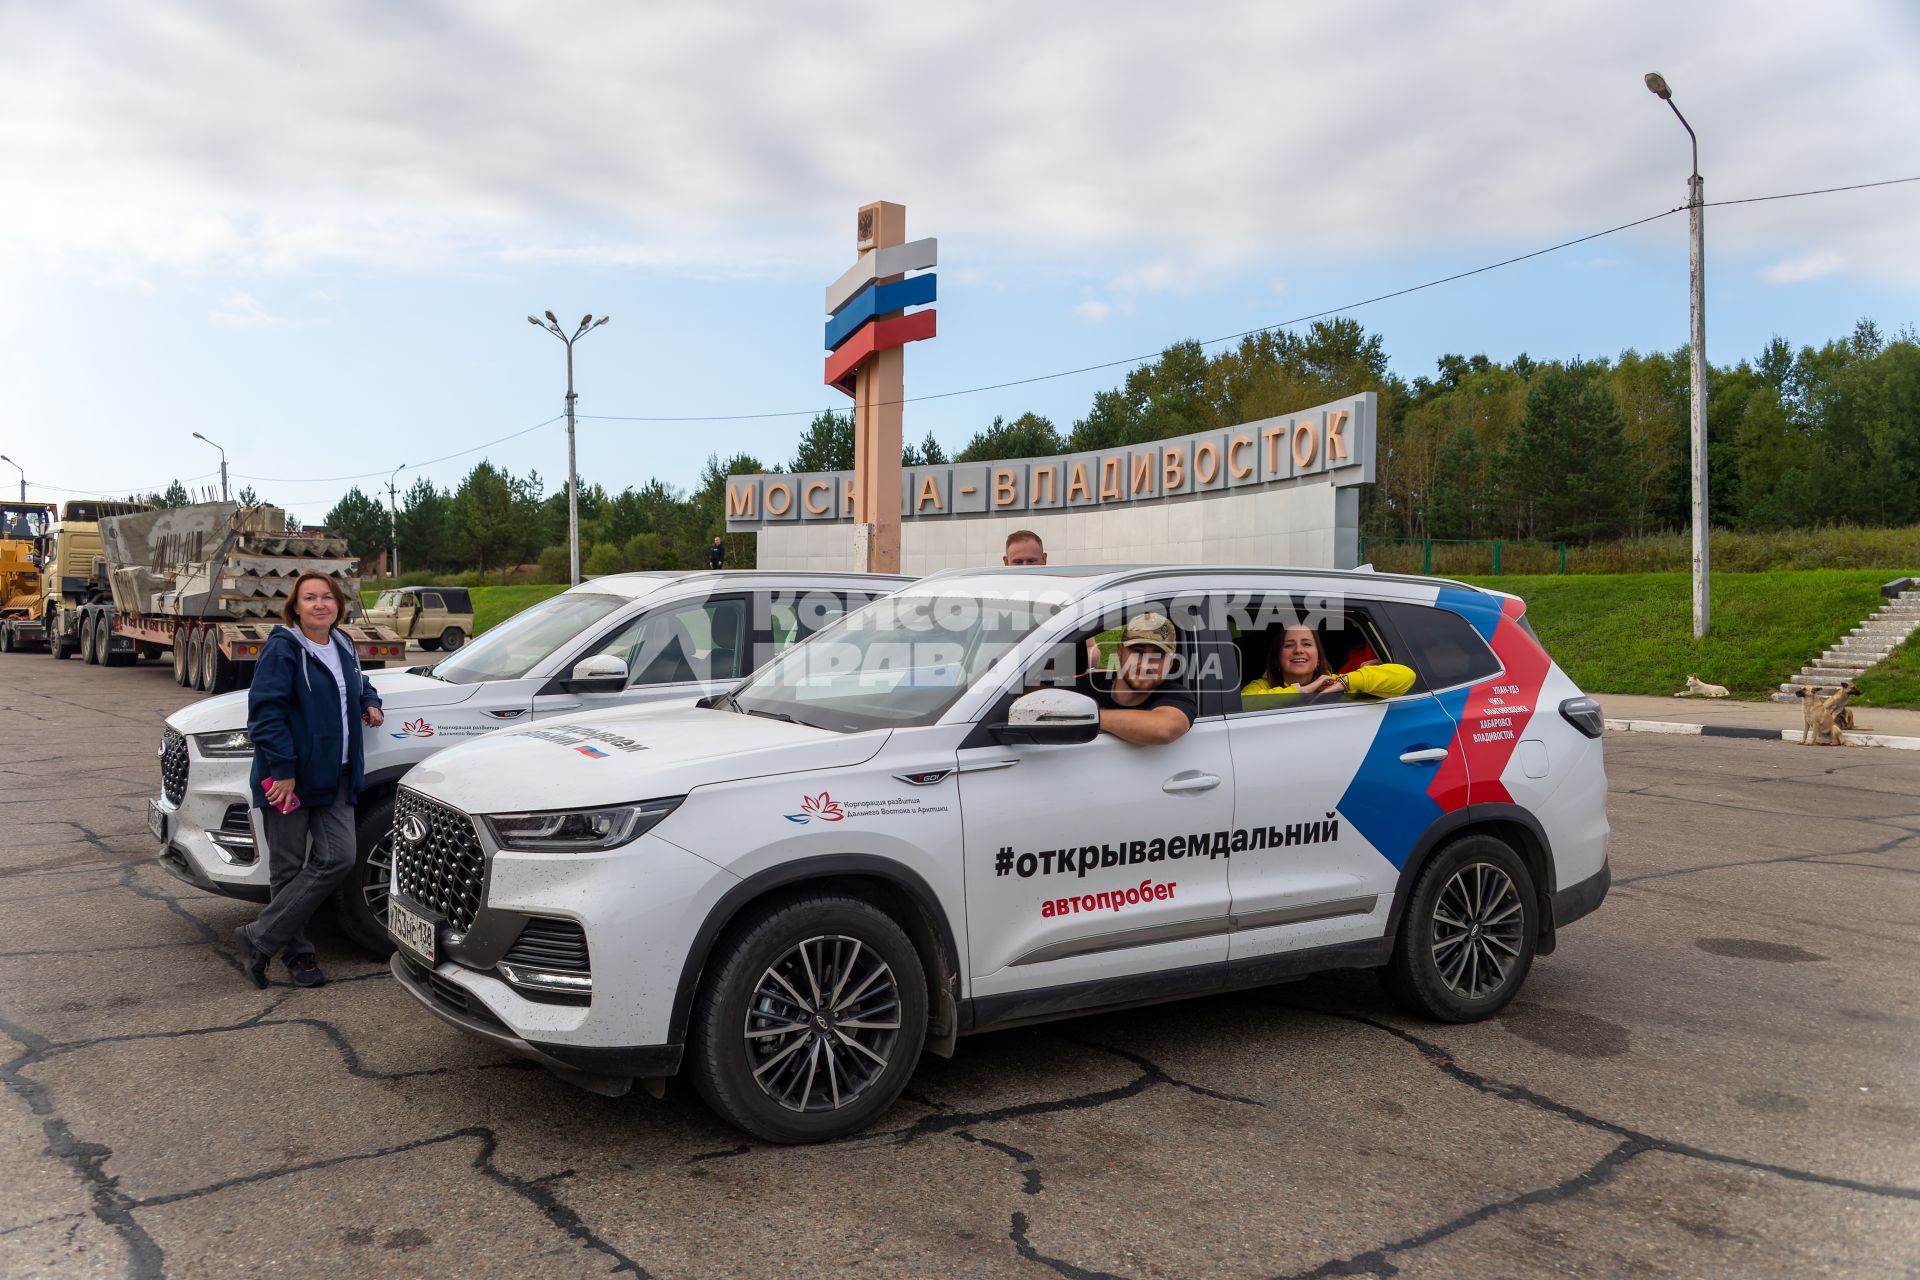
(309, 852)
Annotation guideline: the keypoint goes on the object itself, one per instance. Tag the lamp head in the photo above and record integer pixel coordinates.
(597, 323)
(534, 322)
(1657, 86)
(550, 319)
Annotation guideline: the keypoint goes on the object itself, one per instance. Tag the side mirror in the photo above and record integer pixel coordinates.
(1050, 716)
(602, 673)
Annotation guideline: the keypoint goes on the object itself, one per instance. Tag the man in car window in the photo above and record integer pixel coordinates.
(1141, 701)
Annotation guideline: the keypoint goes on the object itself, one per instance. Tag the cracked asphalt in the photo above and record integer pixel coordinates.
(1713, 1076)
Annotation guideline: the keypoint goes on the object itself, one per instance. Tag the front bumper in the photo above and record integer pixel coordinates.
(610, 1072)
(638, 908)
(209, 840)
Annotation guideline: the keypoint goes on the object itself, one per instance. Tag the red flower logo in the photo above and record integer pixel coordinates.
(822, 806)
(418, 728)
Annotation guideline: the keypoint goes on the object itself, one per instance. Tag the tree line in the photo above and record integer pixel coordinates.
(1578, 450)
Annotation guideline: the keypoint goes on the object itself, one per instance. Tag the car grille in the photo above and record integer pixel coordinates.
(173, 766)
(446, 871)
(557, 946)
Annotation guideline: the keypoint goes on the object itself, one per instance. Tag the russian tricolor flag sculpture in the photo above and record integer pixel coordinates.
(868, 317)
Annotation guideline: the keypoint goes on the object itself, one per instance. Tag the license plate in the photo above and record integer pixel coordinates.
(157, 821)
(412, 930)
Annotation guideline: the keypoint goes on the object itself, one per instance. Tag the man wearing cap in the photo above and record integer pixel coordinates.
(1141, 704)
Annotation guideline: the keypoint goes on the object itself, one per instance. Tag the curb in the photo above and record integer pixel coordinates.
(1747, 731)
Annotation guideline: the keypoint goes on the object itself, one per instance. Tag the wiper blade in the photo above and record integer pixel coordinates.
(720, 702)
(771, 715)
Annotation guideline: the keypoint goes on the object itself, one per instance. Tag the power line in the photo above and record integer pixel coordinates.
(411, 466)
(122, 491)
(1281, 324)
(1794, 195)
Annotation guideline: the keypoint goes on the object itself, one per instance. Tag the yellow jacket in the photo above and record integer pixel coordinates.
(1382, 680)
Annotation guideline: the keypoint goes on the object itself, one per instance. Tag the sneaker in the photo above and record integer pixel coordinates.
(306, 971)
(252, 963)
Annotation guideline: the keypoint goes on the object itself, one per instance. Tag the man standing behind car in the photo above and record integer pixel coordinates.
(1142, 703)
(1024, 549)
(717, 554)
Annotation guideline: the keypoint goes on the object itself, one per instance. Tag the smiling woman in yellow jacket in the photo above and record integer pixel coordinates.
(1297, 664)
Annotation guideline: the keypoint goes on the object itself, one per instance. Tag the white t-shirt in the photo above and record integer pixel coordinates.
(330, 657)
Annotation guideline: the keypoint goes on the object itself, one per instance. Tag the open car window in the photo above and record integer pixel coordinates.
(1352, 635)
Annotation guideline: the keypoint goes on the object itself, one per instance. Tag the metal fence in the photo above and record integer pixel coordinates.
(1557, 549)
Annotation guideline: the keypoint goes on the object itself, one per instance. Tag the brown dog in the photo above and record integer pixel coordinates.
(1824, 716)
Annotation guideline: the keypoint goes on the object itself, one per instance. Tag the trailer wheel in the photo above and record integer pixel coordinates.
(209, 661)
(6, 637)
(87, 653)
(223, 674)
(193, 659)
(180, 670)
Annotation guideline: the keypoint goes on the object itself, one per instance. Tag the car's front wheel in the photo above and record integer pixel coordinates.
(810, 1019)
(1467, 938)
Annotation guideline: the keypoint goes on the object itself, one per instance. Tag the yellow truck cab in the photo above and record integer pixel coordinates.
(437, 617)
(66, 560)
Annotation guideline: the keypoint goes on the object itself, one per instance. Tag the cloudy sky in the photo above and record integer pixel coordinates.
(312, 232)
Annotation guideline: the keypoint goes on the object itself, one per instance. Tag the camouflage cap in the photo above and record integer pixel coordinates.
(1153, 629)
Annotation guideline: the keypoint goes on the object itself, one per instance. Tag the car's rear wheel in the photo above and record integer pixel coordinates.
(360, 904)
(1467, 938)
(810, 1021)
(452, 638)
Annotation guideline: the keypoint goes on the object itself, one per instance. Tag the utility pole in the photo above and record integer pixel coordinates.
(1697, 339)
(393, 525)
(587, 325)
(223, 464)
(23, 474)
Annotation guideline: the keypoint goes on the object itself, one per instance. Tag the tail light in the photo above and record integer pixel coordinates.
(1583, 713)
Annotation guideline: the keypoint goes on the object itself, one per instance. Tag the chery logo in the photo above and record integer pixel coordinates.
(415, 729)
(822, 806)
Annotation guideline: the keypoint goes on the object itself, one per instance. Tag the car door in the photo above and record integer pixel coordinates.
(1093, 861)
(433, 615)
(682, 649)
(1332, 794)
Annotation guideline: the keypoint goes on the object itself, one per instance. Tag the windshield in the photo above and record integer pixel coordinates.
(514, 647)
(899, 662)
(22, 521)
(388, 600)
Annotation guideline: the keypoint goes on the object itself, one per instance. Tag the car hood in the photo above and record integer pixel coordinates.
(398, 690)
(627, 754)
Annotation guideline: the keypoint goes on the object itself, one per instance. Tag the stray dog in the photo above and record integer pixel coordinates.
(1698, 688)
(1824, 716)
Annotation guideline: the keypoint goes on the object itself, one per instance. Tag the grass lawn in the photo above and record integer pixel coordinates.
(1895, 682)
(1633, 632)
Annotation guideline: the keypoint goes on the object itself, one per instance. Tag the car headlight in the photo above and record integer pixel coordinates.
(230, 745)
(578, 830)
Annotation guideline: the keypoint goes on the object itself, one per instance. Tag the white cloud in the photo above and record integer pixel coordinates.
(1810, 266)
(598, 135)
(241, 310)
(1093, 310)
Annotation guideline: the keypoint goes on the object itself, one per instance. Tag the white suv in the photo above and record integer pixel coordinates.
(611, 641)
(897, 833)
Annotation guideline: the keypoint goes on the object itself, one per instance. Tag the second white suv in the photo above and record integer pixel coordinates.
(612, 641)
(906, 829)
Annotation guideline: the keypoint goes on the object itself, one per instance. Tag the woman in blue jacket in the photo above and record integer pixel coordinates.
(304, 709)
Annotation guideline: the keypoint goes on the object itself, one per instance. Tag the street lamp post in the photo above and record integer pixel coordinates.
(393, 525)
(23, 474)
(223, 464)
(1697, 339)
(587, 325)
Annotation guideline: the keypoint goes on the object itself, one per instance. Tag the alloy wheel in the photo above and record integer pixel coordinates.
(1477, 923)
(822, 1024)
(379, 881)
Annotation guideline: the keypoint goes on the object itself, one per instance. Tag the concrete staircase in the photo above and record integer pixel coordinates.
(1866, 644)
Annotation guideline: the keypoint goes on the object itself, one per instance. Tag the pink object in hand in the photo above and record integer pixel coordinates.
(293, 801)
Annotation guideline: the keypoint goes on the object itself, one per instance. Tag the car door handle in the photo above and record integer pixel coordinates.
(1181, 784)
(1426, 755)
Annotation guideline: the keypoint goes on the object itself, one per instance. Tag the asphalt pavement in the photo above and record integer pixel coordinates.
(1713, 1076)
